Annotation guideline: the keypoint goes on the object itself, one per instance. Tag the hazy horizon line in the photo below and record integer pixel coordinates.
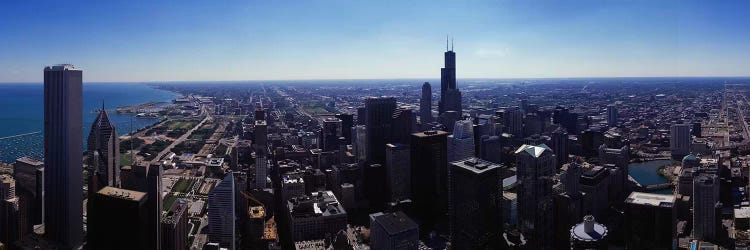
(408, 78)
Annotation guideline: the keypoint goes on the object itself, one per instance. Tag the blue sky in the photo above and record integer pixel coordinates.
(257, 40)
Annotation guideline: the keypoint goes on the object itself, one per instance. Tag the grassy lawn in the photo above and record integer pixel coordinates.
(168, 201)
(181, 124)
(182, 185)
(125, 160)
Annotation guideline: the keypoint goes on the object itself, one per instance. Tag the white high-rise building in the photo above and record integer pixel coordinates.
(679, 141)
(461, 142)
(360, 142)
(221, 213)
(535, 173)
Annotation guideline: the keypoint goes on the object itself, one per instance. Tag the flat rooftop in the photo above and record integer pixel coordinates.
(122, 193)
(476, 165)
(657, 200)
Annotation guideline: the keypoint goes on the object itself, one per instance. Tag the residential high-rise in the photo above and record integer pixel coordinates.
(116, 212)
(588, 235)
(429, 177)
(11, 223)
(174, 227)
(461, 142)
(450, 96)
(475, 204)
(221, 213)
(425, 105)
(535, 171)
(63, 161)
(679, 140)
(398, 171)
(611, 115)
(594, 182)
(332, 130)
(649, 221)
(393, 231)
(378, 121)
(705, 206)
(29, 176)
(617, 161)
(103, 151)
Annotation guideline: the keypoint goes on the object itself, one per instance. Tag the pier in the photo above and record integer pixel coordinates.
(20, 135)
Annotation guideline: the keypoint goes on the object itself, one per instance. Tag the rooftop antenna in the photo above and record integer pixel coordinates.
(131, 142)
(451, 44)
(446, 42)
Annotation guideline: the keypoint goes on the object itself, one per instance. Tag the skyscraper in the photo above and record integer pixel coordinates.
(221, 213)
(378, 121)
(347, 122)
(393, 231)
(513, 120)
(174, 227)
(679, 141)
(611, 115)
(705, 207)
(425, 105)
(461, 142)
(649, 221)
(10, 211)
(475, 200)
(429, 177)
(332, 130)
(29, 176)
(63, 146)
(115, 213)
(154, 206)
(450, 96)
(398, 171)
(535, 172)
(404, 124)
(588, 235)
(103, 150)
(617, 161)
(561, 146)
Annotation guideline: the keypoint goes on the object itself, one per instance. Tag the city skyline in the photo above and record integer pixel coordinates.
(340, 40)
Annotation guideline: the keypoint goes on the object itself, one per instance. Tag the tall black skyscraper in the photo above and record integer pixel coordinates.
(429, 177)
(425, 105)
(450, 96)
(378, 121)
(347, 122)
(63, 151)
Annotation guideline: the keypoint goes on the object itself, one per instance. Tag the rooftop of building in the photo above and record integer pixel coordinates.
(394, 223)
(429, 133)
(30, 161)
(122, 193)
(255, 212)
(597, 232)
(657, 200)
(476, 165)
(323, 203)
(60, 67)
(534, 151)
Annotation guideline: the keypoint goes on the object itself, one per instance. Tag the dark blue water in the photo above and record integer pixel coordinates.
(646, 173)
(23, 112)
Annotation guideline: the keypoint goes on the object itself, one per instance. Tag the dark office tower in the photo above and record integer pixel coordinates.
(398, 171)
(375, 178)
(117, 219)
(611, 115)
(347, 122)
(404, 124)
(535, 172)
(490, 149)
(425, 105)
(332, 130)
(29, 175)
(705, 206)
(11, 220)
(378, 120)
(63, 146)
(260, 114)
(561, 146)
(174, 227)
(103, 150)
(475, 198)
(393, 231)
(221, 213)
(513, 120)
(361, 116)
(429, 177)
(697, 129)
(594, 184)
(617, 161)
(679, 140)
(154, 206)
(450, 96)
(649, 221)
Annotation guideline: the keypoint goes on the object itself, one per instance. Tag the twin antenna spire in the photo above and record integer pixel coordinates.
(446, 44)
